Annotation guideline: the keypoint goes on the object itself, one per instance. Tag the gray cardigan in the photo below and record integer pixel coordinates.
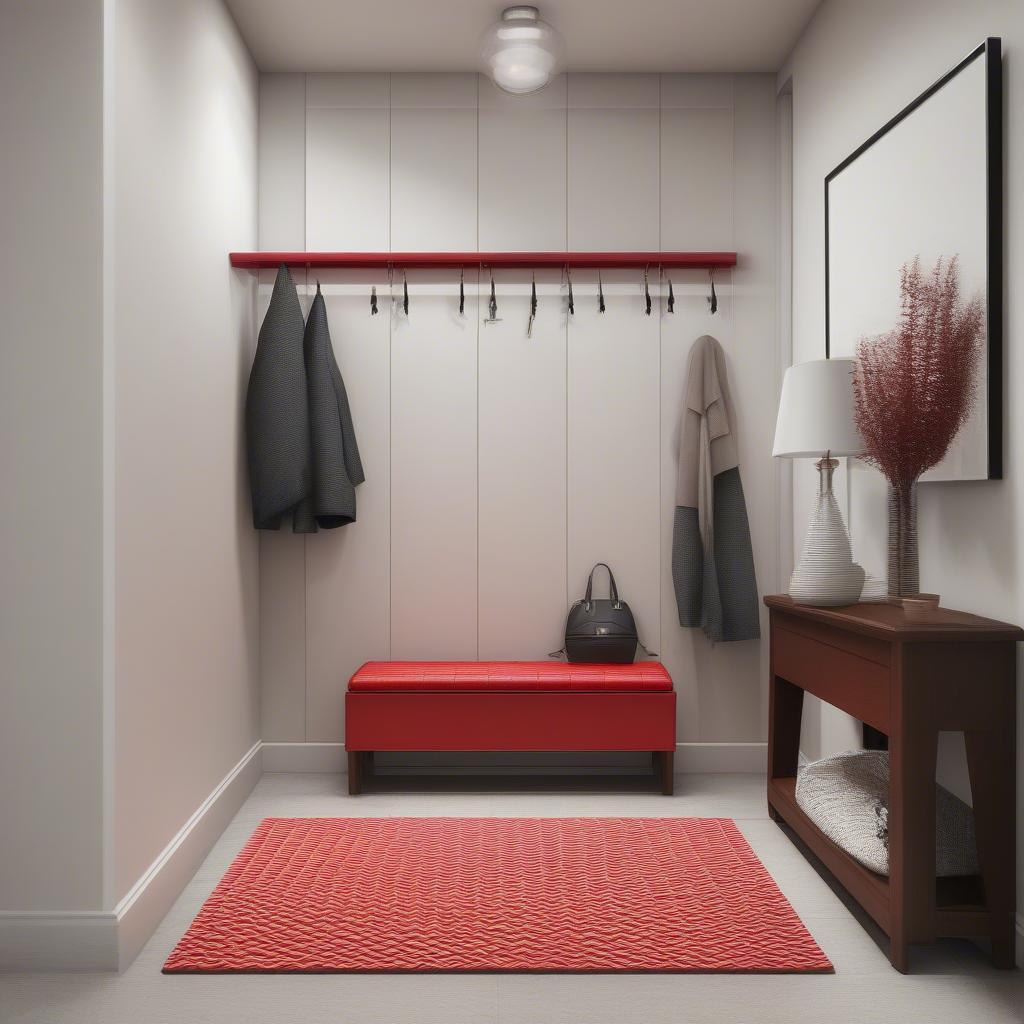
(712, 560)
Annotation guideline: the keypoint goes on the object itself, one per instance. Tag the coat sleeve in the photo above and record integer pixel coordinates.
(687, 566)
(687, 547)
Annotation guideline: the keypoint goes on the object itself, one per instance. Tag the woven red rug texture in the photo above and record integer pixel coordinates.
(497, 894)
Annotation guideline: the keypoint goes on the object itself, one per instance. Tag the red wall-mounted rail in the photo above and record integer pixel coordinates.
(409, 260)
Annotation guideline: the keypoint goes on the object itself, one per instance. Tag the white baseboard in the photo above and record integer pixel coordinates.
(146, 903)
(690, 757)
(714, 758)
(304, 757)
(110, 940)
(53, 941)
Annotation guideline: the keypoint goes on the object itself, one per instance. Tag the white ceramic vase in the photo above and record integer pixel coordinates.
(826, 573)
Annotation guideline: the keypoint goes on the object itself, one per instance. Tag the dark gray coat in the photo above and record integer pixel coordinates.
(303, 458)
(276, 411)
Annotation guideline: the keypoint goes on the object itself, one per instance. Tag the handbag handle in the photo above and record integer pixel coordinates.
(613, 590)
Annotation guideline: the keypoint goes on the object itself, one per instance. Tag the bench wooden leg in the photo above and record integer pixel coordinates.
(355, 772)
(665, 761)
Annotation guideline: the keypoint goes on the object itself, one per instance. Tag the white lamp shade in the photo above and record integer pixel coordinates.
(816, 411)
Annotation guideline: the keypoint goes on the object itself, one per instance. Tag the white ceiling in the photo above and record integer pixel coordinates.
(441, 35)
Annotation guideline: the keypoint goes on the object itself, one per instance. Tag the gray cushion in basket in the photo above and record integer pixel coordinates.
(847, 797)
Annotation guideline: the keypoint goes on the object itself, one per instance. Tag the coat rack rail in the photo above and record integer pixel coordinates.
(520, 260)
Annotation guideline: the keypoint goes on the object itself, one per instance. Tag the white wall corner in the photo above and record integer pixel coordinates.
(1020, 941)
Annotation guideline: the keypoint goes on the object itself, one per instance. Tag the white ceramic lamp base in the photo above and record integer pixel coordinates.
(826, 574)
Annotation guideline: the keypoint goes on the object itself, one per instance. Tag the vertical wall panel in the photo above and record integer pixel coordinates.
(755, 360)
(347, 569)
(696, 162)
(613, 476)
(282, 161)
(613, 162)
(347, 145)
(433, 162)
(522, 486)
(434, 373)
(433, 472)
(282, 192)
(522, 168)
(613, 443)
(522, 472)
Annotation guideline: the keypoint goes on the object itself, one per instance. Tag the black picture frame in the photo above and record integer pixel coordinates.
(991, 52)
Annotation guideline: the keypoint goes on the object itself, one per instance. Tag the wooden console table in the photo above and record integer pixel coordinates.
(912, 679)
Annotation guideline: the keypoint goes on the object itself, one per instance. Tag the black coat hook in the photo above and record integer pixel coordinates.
(647, 294)
(492, 305)
(373, 301)
(533, 305)
(462, 292)
(671, 297)
(572, 303)
(713, 298)
(600, 293)
(405, 294)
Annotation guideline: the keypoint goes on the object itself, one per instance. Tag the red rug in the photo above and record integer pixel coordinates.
(497, 894)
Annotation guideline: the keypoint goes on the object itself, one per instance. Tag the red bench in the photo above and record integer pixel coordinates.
(509, 705)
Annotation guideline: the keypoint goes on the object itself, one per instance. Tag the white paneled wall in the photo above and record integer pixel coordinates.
(500, 467)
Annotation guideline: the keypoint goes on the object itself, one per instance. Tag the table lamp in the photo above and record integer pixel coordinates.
(816, 421)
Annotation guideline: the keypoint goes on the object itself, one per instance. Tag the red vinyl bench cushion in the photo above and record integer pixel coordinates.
(505, 676)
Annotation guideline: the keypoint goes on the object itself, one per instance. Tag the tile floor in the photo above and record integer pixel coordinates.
(951, 981)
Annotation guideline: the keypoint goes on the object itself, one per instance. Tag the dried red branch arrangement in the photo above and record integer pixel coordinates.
(913, 390)
(915, 386)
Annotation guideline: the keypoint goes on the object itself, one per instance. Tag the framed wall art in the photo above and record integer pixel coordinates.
(928, 184)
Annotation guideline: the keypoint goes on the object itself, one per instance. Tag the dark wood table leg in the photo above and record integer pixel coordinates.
(785, 709)
(991, 762)
(913, 748)
(785, 712)
(355, 772)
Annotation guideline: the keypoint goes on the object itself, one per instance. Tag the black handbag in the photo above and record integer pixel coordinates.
(601, 629)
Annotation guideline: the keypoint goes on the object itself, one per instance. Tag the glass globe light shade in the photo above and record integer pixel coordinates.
(521, 53)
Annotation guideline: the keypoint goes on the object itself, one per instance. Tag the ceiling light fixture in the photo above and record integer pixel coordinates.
(521, 53)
